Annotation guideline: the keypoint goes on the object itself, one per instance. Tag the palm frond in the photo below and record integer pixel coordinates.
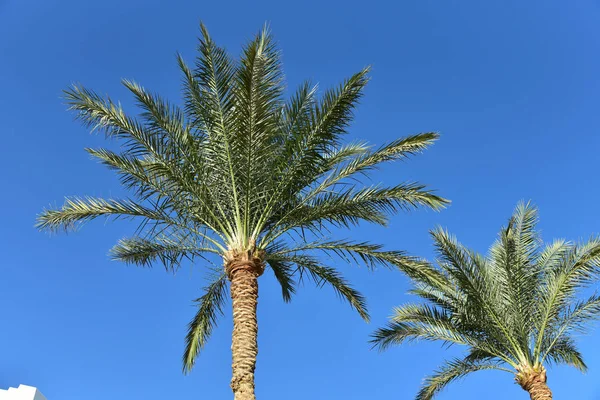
(104, 115)
(564, 351)
(514, 266)
(210, 307)
(164, 120)
(144, 252)
(305, 147)
(574, 269)
(577, 318)
(347, 208)
(450, 372)
(424, 323)
(397, 150)
(321, 275)
(284, 272)
(78, 210)
(351, 252)
(472, 274)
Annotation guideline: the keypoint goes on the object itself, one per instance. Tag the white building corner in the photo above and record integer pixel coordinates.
(23, 392)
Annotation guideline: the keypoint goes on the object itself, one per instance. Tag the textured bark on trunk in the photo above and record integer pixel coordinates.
(243, 271)
(540, 391)
(534, 381)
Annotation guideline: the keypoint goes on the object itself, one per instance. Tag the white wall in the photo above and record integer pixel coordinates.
(23, 392)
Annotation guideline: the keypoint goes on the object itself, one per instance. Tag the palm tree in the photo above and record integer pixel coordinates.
(516, 309)
(242, 175)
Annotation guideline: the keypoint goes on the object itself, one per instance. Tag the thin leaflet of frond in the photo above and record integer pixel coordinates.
(436, 296)
(447, 323)
(194, 103)
(452, 371)
(524, 278)
(427, 276)
(494, 318)
(132, 173)
(349, 207)
(328, 120)
(214, 73)
(198, 237)
(439, 322)
(306, 147)
(551, 255)
(423, 313)
(576, 318)
(258, 94)
(331, 159)
(143, 252)
(351, 252)
(339, 209)
(547, 263)
(102, 114)
(344, 154)
(219, 184)
(475, 355)
(586, 263)
(565, 351)
(490, 345)
(85, 209)
(322, 275)
(397, 150)
(527, 238)
(396, 333)
(504, 293)
(499, 258)
(332, 115)
(210, 307)
(293, 120)
(459, 265)
(284, 272)
(576, 269)
(145, 181)
(505, 335)
(433, 296)
(294, 127)
(508, 289)
(166, 120)
(201, 197)
(296, 114)
(204, 109)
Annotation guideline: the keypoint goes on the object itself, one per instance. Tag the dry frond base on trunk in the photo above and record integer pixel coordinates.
(533, 380)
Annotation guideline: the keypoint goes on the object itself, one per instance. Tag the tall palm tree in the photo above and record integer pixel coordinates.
(243, 175)
(516, 310)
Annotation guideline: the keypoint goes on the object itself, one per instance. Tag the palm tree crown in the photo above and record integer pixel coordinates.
(516, 309)
(240, 173)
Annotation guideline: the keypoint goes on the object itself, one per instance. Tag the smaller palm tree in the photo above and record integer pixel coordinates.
(516, 309)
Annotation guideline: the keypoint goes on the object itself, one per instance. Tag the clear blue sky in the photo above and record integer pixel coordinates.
(511, 85)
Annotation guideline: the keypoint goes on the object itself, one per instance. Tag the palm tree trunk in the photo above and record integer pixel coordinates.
(243, 272)
(540, 391)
